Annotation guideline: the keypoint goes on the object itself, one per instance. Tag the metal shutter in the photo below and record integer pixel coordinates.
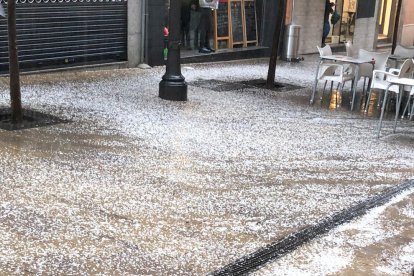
(60, 33)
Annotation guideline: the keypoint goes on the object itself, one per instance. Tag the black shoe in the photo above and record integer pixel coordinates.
(204, 50)
(211, 50)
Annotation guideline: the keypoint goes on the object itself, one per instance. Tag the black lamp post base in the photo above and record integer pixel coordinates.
(173, 91)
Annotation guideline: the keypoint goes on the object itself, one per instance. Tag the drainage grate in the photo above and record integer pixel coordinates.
(31, 119)
(285, 245)
(218, 85)
(223, 86)
(278, 86)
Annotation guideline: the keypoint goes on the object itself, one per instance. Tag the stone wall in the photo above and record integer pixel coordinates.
(407, 32)
(309, 14)
(366, 30)
(135, 34)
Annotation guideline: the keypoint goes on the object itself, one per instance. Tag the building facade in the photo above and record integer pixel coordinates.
(367, 23)
(67, 33)
(236, 24)
(407, 29)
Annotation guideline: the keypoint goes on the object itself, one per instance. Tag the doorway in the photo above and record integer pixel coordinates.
(387, 17)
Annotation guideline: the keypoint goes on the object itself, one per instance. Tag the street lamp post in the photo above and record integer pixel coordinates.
(173, 86)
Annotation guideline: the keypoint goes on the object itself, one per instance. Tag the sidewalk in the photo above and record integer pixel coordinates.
(136, 185)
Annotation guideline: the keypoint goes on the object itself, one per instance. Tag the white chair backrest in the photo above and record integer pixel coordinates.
(325, 51)
(404, 52)
(380, 58)
(406, 69)
(351, 50)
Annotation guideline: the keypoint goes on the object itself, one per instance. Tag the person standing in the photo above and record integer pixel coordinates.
(326, 25)
(194, 22)
(206, 7)
(185, 23)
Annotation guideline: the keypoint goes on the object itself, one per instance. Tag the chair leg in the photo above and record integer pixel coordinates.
(379, 98)
(323, 91)
(315, 86)
(397, 107)
(369, 83)
(353, 94)
(407, 107)
(412, 111)
(368, 100)
(340, 91)
(382, 112)
(363, 88)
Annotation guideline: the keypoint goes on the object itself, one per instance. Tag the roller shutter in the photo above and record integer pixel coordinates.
(61, 33)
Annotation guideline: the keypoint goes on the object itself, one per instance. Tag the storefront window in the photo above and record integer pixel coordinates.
(235, 24)
(343, 30)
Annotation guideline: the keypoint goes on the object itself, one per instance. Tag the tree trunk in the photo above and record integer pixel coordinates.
(15, 95)
(271, 73)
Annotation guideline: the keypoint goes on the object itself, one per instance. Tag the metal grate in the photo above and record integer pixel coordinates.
(218, 85)
(223, 86)
(58, 33)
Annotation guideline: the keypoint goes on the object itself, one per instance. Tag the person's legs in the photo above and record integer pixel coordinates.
(194, 27)
(186, 31)
(182, 32)
(208, 29)
(326, 30)
(195, 37)
(204, 30)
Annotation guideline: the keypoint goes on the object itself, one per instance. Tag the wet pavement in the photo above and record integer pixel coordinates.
(379, 243)
(137, 185)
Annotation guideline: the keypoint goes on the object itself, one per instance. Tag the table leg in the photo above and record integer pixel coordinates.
(412, 111)
(354, 87)
(397, 111)
(382, 111)
(316, 83)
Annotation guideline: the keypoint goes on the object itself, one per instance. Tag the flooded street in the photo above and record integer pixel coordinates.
(135, 185)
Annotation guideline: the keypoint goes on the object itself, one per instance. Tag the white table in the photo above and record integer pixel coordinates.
(401, 82)
(342, 59)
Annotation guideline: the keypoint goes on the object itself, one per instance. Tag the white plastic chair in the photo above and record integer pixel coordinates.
(402, 52)
(400, 83)
(380, 79)
(407, 106)
(384, 80)
(366, 70)
(333, 72)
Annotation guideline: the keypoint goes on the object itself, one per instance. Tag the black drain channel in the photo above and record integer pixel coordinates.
(285, 245)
